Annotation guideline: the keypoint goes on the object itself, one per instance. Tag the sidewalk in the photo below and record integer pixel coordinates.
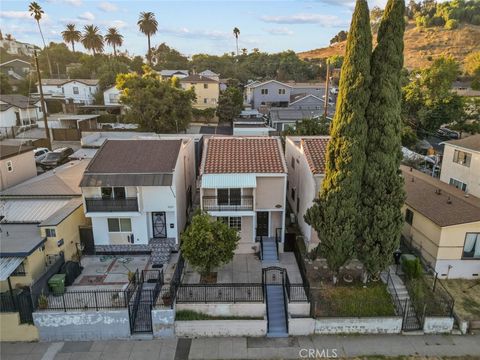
(249, 348)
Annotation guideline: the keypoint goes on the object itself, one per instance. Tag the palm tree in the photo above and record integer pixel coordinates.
(37, 13)
(149, 26)
(236, 33)
(92, 39)
(244, 51)
(71, 35)
(114, 38)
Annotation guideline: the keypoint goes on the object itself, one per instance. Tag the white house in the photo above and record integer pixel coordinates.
(17, 164)
(19, 110)
(210, 74)
(305, 156)
(243, 183)
(167, 74)
(79, 91)
(111, 96)
(138, 193)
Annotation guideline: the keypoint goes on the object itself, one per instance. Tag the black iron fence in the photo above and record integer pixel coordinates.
(220, 293)
(111, 205)
(215, 203)
(297, 292)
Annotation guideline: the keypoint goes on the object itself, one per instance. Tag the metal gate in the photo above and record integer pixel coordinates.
(140, 314)
(273, 275)
(86, 239)
(411, 321)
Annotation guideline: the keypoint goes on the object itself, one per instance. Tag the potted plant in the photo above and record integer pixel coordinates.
(132, 276)
(167, 298)
(42, 301)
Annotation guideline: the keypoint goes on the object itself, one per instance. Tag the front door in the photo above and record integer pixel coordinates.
(262, 223)
(159, 225)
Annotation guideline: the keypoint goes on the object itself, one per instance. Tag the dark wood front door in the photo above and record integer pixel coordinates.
(262, 223)
(159, 224)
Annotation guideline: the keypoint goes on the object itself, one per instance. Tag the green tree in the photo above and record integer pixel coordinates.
(207, 243)
(5, 87)
(165, 57)
(92, 39)
(230, 104)
(148, 25)
(335, 215)
(156, 105)
(137, 65)
(71, 35)
(114, 38)
(382, 188)
(37, 12)
(409, 136)
(308, 127)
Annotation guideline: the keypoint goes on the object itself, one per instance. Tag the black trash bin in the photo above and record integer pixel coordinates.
(397, 255)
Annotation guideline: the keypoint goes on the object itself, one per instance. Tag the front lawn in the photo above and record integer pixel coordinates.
(353, 301)
(467, 297)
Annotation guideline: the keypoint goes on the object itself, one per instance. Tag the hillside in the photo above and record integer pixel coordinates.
(421, 45)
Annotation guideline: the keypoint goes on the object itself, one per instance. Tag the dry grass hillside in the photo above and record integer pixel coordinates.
(421, 45)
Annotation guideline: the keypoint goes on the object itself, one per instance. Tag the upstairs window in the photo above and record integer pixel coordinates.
(205, 86)
(75, 90)
(409, 216)
(471, 249)
(281, 91)
(264, 91)
(50, 233)
(113, 193)
(229, 196)
(462, 158)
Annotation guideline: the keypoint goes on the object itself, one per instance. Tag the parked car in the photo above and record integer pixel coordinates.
(447, 133)
(39, 154)
(56, 157)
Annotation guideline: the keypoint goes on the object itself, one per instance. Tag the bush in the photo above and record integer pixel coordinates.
(107, 118)
(412, 267)
(189, 315)
(451, 24)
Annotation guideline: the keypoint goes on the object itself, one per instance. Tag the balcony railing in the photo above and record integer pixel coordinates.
(111, 205)
(214, 203)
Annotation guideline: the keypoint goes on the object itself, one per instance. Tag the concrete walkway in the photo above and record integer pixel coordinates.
(250, 348)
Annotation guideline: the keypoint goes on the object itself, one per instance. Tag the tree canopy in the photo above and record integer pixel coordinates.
(230, 104)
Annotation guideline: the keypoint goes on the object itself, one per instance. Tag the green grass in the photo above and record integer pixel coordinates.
(189, 315)
(353, 301)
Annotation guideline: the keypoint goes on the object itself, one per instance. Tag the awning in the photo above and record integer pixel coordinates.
(223, 181)
(8, 265)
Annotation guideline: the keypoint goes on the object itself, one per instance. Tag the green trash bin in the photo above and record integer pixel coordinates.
(57, 284)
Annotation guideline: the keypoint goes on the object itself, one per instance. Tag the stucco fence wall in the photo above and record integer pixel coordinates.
(438, 325)
(163, 321)
(216, 309)
(84, 325)
(377, 325)
(211, 328)
(12, 330)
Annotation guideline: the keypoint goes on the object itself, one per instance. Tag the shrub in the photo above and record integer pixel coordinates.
(412, 267)
(107, 118)
(451, 24)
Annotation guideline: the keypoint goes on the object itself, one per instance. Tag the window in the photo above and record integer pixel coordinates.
(264, 91)
(229, 196)
(113, 193)
(205, 100)
(9, 166)
(113, 98)
(106, 192)
(471, 249)
(462, 158)
(293, 162)
(119, 192)
(292, 193)
(281, 91)
(233, 222)
(50, 233)
(458, 184)
(119, 225)
(20, 270)
(205, 86)
(409, 216)
(75, 90)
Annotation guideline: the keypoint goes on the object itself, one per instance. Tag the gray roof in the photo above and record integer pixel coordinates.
(61, 214)
(172, 72)
(97, 180)
(289, 114)
(7, 151)
(8, 265)
(471, 142)
(30, 210)
(19, 239)
(20, 101)
(58, 82)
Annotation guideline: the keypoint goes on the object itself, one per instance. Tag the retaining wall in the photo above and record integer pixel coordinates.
(210, 328)
(12, 330)
(163, 321)
(85, 325)
(437, 325)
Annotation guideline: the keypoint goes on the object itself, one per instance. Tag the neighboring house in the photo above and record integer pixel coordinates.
(251, 128)
(464, 88)
(281, 118)
(243, 183)
(168, 74)
(316, 89)
(138, 194)
(52, 202)
(442, 224)
(111, 96)
(461, 164)
(305, 156)
(206, 89)
(17, 164)
(210, 74)
(19, 110)
(16, 69)
(306, 102)
(268, 93)
(14, 47)
(78, 91)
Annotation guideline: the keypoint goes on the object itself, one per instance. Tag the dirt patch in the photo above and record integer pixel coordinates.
(467, 297)
(208, 279)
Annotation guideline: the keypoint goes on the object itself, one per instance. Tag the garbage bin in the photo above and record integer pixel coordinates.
(57, 284)
(396, 255)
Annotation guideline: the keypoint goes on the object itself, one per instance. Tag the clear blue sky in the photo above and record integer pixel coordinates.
(191, 26)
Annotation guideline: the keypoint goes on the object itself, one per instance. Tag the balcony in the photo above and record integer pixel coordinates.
(111, 205)
(215, 203)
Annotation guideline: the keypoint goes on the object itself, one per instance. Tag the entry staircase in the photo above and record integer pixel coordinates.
(276, 311)
(269, 250)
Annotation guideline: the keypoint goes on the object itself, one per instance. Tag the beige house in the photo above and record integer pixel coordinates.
(17, 164)
(305, 156)
(206, 89)
(443, 224)
(243, 183)
(461, 164)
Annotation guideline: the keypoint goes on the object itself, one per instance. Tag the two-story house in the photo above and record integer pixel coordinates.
(206, 89)
(267, 93)
(18, 110)
(461, 164)
(243, 183)
(79, 91)
(111, 96)
(138, 193)
(305, 156)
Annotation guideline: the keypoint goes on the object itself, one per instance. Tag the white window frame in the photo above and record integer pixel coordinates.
(467, 157)
(233, 222)
(76, 90)
(121, 230)
(50, 232)
(264, 91)
(281, 91)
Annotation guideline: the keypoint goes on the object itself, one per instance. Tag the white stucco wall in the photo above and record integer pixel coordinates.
(437, 325)
(211, 328)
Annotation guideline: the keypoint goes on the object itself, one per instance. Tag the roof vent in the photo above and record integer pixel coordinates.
(438, 191)
(449, 201)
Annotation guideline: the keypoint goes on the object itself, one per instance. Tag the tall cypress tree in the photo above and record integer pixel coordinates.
(382, 189)
(335, 214)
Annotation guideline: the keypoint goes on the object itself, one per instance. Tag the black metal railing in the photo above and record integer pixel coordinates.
(215, 203)
(220, 293)
(296, 292)
(111, 205)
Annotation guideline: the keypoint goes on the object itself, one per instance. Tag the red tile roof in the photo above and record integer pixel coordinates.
(316, 152)
(232, 155)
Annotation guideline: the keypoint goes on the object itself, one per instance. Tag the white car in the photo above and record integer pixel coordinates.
(40, 153)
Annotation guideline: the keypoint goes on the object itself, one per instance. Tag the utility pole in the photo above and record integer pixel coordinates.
(42, 102)
(327, 91)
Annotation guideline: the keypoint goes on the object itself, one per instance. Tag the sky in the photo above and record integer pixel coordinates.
(191, 27)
